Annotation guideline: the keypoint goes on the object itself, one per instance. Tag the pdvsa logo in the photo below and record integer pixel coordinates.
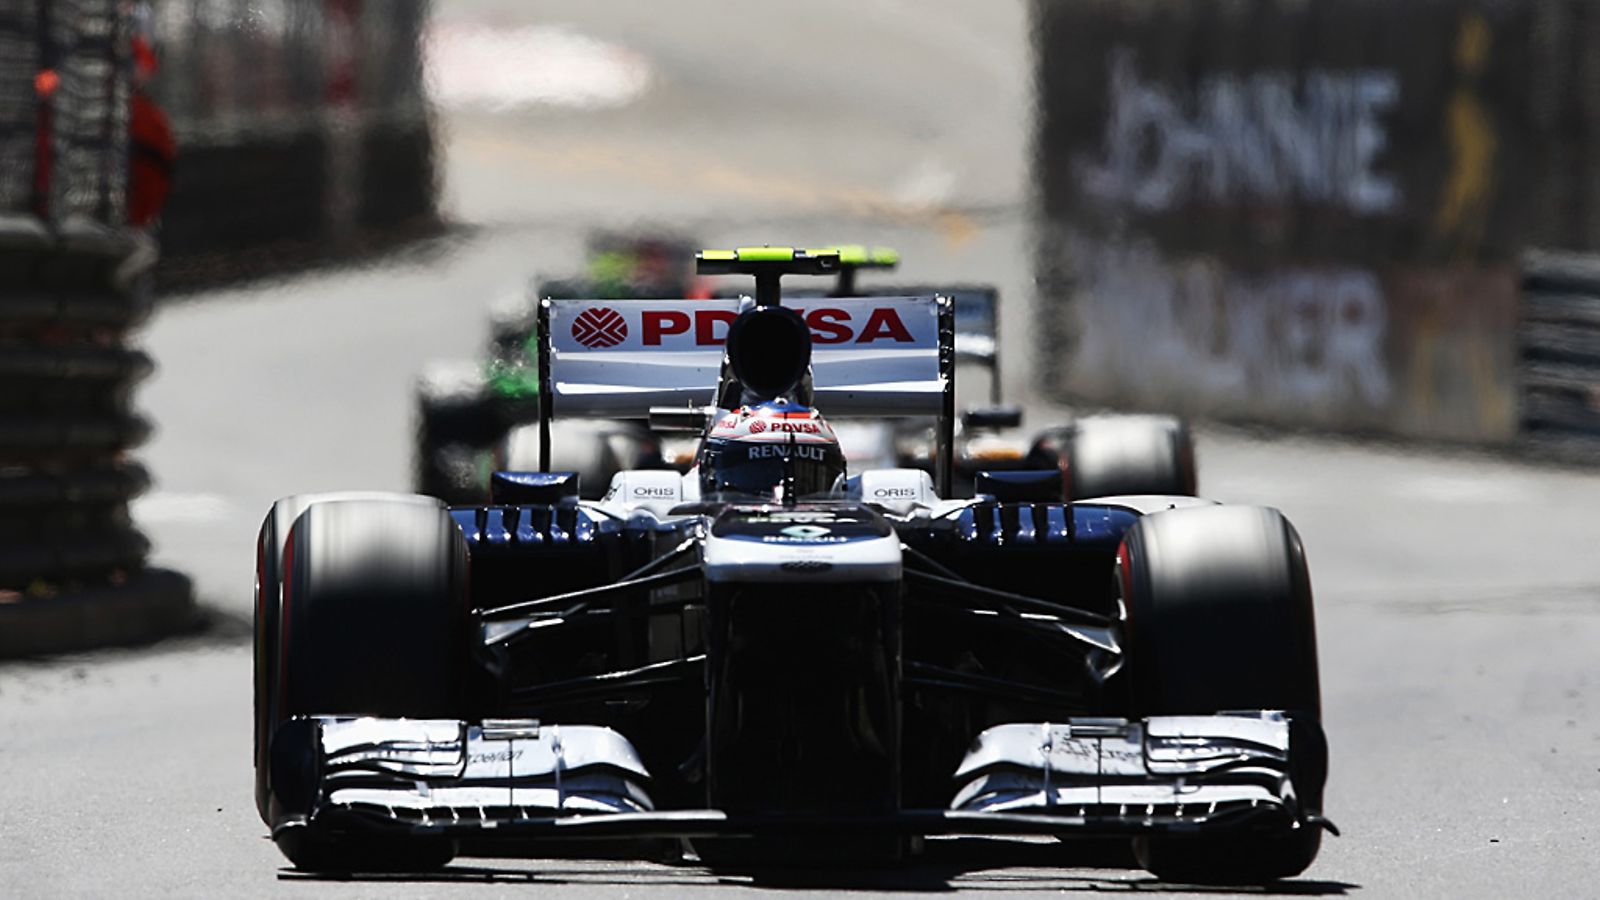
(709, 327)
(599, 327)
(791, 427)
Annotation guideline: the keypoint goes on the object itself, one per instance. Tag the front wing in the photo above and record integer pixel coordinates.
(520, 780)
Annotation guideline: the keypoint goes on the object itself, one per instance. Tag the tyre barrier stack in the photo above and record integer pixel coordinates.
(72, 562)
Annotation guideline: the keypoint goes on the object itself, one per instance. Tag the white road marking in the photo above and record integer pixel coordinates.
(930, 183)
(1435, 488)
(163, 507)
(502, 69)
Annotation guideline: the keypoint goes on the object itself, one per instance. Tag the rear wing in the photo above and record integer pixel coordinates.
(976, 309)
(871, 356)
(879, 356)
(977, 323)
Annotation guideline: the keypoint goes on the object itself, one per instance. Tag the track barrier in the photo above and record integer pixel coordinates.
(303, 132)
(1317, 212)
(1559, 339)
(75, 284)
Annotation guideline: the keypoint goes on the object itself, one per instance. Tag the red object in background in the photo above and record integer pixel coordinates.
(44, 84)
(341, 29)
(145, 63)
(152, 148)
(152, 151)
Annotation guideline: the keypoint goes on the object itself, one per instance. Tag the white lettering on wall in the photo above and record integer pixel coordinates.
(1245, 138)
(1285, 339)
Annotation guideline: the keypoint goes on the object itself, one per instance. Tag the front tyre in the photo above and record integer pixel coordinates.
(1219, 617)
(309, 851)
(1229, 859)
(374, 621)
(268, 598)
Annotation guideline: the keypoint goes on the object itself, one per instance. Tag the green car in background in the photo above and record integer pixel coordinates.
(474, 417)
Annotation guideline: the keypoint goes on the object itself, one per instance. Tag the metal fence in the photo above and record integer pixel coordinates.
(64, 100)
(19, 104)
(303, 129)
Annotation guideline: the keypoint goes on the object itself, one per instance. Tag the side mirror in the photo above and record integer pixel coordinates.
(681, 419)
(992, 418)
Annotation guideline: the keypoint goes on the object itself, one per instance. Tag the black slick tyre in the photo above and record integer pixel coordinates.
(269, 570)
(345, 854)
(373, 621)
(1219, 617)
(1105, 456)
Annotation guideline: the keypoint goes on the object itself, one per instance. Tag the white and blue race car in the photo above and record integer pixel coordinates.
(772, 657)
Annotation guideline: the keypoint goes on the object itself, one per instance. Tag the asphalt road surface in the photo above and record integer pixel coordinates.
(1458, 597)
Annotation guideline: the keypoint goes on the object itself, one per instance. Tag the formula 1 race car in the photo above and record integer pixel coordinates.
(771, 657)
(474, 417)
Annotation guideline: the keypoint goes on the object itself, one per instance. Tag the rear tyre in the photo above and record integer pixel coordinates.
(1106, 456)
(1219, 617)
(269, 571)
(374, 621)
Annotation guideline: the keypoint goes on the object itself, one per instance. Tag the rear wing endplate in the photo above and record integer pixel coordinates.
(976, 308)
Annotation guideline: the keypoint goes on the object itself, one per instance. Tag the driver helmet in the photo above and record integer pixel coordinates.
(770, 449)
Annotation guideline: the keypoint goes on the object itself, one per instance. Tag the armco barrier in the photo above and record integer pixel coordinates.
(1560, 342)
(145, 607)
(1308, 212)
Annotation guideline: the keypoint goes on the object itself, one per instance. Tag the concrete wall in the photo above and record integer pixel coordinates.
(1308, 212)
